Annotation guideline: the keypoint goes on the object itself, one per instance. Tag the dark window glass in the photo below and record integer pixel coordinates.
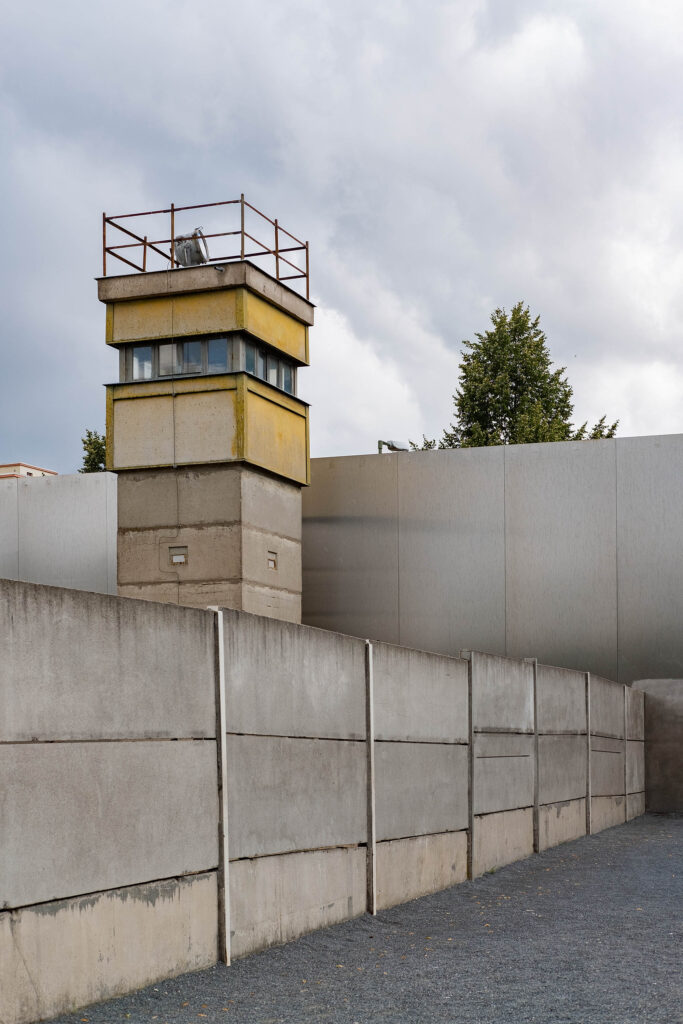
(168, 359)
(272, 368)
(249, 357)
(217, 355)
(287, 379)
(260, 365)
(142, 362)
(192, 357)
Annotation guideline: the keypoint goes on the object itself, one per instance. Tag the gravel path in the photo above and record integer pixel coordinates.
(588, 932)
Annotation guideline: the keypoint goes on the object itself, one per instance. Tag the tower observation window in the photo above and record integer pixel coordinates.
(234, 353)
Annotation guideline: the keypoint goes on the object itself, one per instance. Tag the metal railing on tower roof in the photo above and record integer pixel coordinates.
(243, 243)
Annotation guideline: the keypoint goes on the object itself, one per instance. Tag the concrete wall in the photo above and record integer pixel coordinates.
(140, 837)
(663, 733)
(60, 531)
(571, 553)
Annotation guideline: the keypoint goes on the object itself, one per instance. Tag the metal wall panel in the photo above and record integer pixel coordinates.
(9, 530)
(560, 531)
(350, 546)
(451, 550)
(650, 545)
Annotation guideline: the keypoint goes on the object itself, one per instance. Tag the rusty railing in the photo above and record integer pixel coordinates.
(244, 237)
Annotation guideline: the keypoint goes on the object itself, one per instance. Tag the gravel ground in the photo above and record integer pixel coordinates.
(588, 932)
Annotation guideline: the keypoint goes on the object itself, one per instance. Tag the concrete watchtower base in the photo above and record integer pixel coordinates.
(237, 528)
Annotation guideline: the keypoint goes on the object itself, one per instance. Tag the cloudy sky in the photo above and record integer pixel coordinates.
(442, 158)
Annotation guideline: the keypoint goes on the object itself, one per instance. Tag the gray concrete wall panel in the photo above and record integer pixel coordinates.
(67, 531)
(57, 956)
(635, 714)
(451, 550)
(560, 536)
(562, 768)
(561, 822)
(635, 766)
(607, 811)
(502, 694)
(419, 696)
(9, 530)
(663, 744)
(116, 814)
(350, 547)
(561, 700)
(410, 868)
(87, 666)
(635, 805)
(503, 772)
(607, 767)
(607, 707)
(500, 839)
(650, 556)
(277, 899)
(294, 794)
(289, 680)
(420, 788)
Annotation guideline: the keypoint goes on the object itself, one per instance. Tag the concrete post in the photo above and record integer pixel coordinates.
(370, 751)
(221, 753)
(534, 667)
(588, 754)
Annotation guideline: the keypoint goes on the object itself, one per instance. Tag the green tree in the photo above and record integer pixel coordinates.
(508, 392)
(94, 446)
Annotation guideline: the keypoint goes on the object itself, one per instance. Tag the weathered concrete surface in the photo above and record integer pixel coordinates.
(560, 822)
(607, 811)
(129, 287)
(214, 553)
(294, 794)
(562, 768)
(635, 805)
(560, 700)
(635, 766)
(420, 788)
(276, 604)
(155, 498)
(501, 839)
(290, 680)
(663, 743)
(607, 766)
(85, 666)
(502, 694)
(256, 547)
(607, 707)
(419, 696)
(635, 714)
(503, 772)
(81, 817)
(55, 956)
(275, 899)
(409, 868)
(271, 505)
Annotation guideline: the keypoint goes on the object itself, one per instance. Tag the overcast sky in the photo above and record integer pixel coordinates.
(443, 159)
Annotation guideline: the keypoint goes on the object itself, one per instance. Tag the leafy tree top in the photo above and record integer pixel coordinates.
(94, 448)
(508, 391)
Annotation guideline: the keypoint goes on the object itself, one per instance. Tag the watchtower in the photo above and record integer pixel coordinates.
(205, 428)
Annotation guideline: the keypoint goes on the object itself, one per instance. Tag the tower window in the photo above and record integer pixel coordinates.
(233, 353)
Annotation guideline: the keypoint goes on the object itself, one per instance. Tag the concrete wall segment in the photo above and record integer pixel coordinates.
(562, 768)
(607, 707)
(503, 772)
(635, 714)
(561, 822)
(116, 814)
(635, 766)
(290, 680)
(502, 694)
(561, 700)
(421, 788)
(663, 744)
(60, 955)
(607, 767)
(419, 696)
(294, 794)
(89, 659)
(410, 868)
(502, 838)
(9, 530)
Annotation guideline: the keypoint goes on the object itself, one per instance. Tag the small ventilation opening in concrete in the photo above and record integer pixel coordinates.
(272, 559)
(177, 556)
